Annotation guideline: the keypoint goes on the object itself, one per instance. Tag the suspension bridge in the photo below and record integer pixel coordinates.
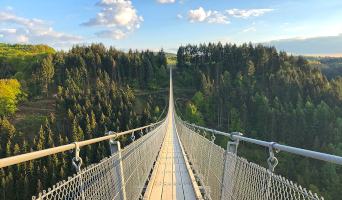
(173, 159)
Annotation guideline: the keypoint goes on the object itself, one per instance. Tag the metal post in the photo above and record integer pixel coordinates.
(114, 148)
(229, 168)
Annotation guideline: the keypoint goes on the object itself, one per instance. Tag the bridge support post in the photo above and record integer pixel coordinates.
(114, 148)
(229, 168)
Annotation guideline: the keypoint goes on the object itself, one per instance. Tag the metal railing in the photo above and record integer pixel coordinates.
(4, 162)
(120, 176)
(224, 175)
(274, 145)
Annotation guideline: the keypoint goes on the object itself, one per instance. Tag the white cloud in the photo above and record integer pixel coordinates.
(14, 36)
(8, 8)
(165, 1)
(198, 15)
(218, 18)
(247, 13)
(1, 35)
(287, 23)
(9, 19)
(209, 16)
(117, 13)
(248, 30)
(112, 33)
(179, 16)
(38, 21)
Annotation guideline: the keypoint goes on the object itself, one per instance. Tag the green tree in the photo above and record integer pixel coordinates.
(47, 72)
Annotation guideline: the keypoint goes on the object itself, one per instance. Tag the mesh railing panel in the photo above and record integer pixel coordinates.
(227, 176)
(103, 180)
(206, 157)
(246, 180)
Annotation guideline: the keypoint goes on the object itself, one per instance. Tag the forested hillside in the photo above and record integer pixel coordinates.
(331, 66)
(267, 95)
(93, 88)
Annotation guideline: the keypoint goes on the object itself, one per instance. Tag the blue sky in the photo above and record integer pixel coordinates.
(299, 27)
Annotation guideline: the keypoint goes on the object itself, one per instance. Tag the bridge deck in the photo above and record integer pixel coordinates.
(172, 177)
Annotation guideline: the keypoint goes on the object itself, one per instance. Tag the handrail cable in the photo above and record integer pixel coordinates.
(4, 162)
(294, 150)
(162, 112)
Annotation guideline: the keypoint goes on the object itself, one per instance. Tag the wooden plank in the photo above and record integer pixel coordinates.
(159, 180)
(167, 192)
(168, 178)
(156, 192)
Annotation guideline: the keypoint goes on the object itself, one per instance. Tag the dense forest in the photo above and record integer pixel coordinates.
(93, 88)
(271, 96)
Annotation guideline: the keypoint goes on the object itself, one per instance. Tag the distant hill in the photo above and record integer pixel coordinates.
(166, 54)
(331, 67)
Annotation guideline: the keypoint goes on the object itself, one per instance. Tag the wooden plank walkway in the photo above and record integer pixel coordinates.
(172, 177)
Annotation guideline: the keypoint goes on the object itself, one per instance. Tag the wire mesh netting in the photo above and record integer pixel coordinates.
(227, 176)
(246, 180)
(206, 157)
(120, 176)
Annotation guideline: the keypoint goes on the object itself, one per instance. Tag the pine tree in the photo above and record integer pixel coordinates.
(74, 132)
(80, 135)
(47, 72)
(87, 134)
(8, 149)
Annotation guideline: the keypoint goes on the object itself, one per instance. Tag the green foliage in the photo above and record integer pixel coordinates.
(10, 95)
(192, 115)
(199, 100)
(46, 73)
(156, 110)
(268, 95)
(93, 98)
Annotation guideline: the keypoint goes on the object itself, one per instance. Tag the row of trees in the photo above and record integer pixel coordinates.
(39, 69)
(273, 97)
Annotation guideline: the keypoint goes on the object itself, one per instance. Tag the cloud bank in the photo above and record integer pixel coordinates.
(314, 45)
(221, 17)
(247, 13)
(32, 31)
(12, 19)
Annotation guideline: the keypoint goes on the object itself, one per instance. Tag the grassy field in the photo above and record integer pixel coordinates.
(171, 62)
